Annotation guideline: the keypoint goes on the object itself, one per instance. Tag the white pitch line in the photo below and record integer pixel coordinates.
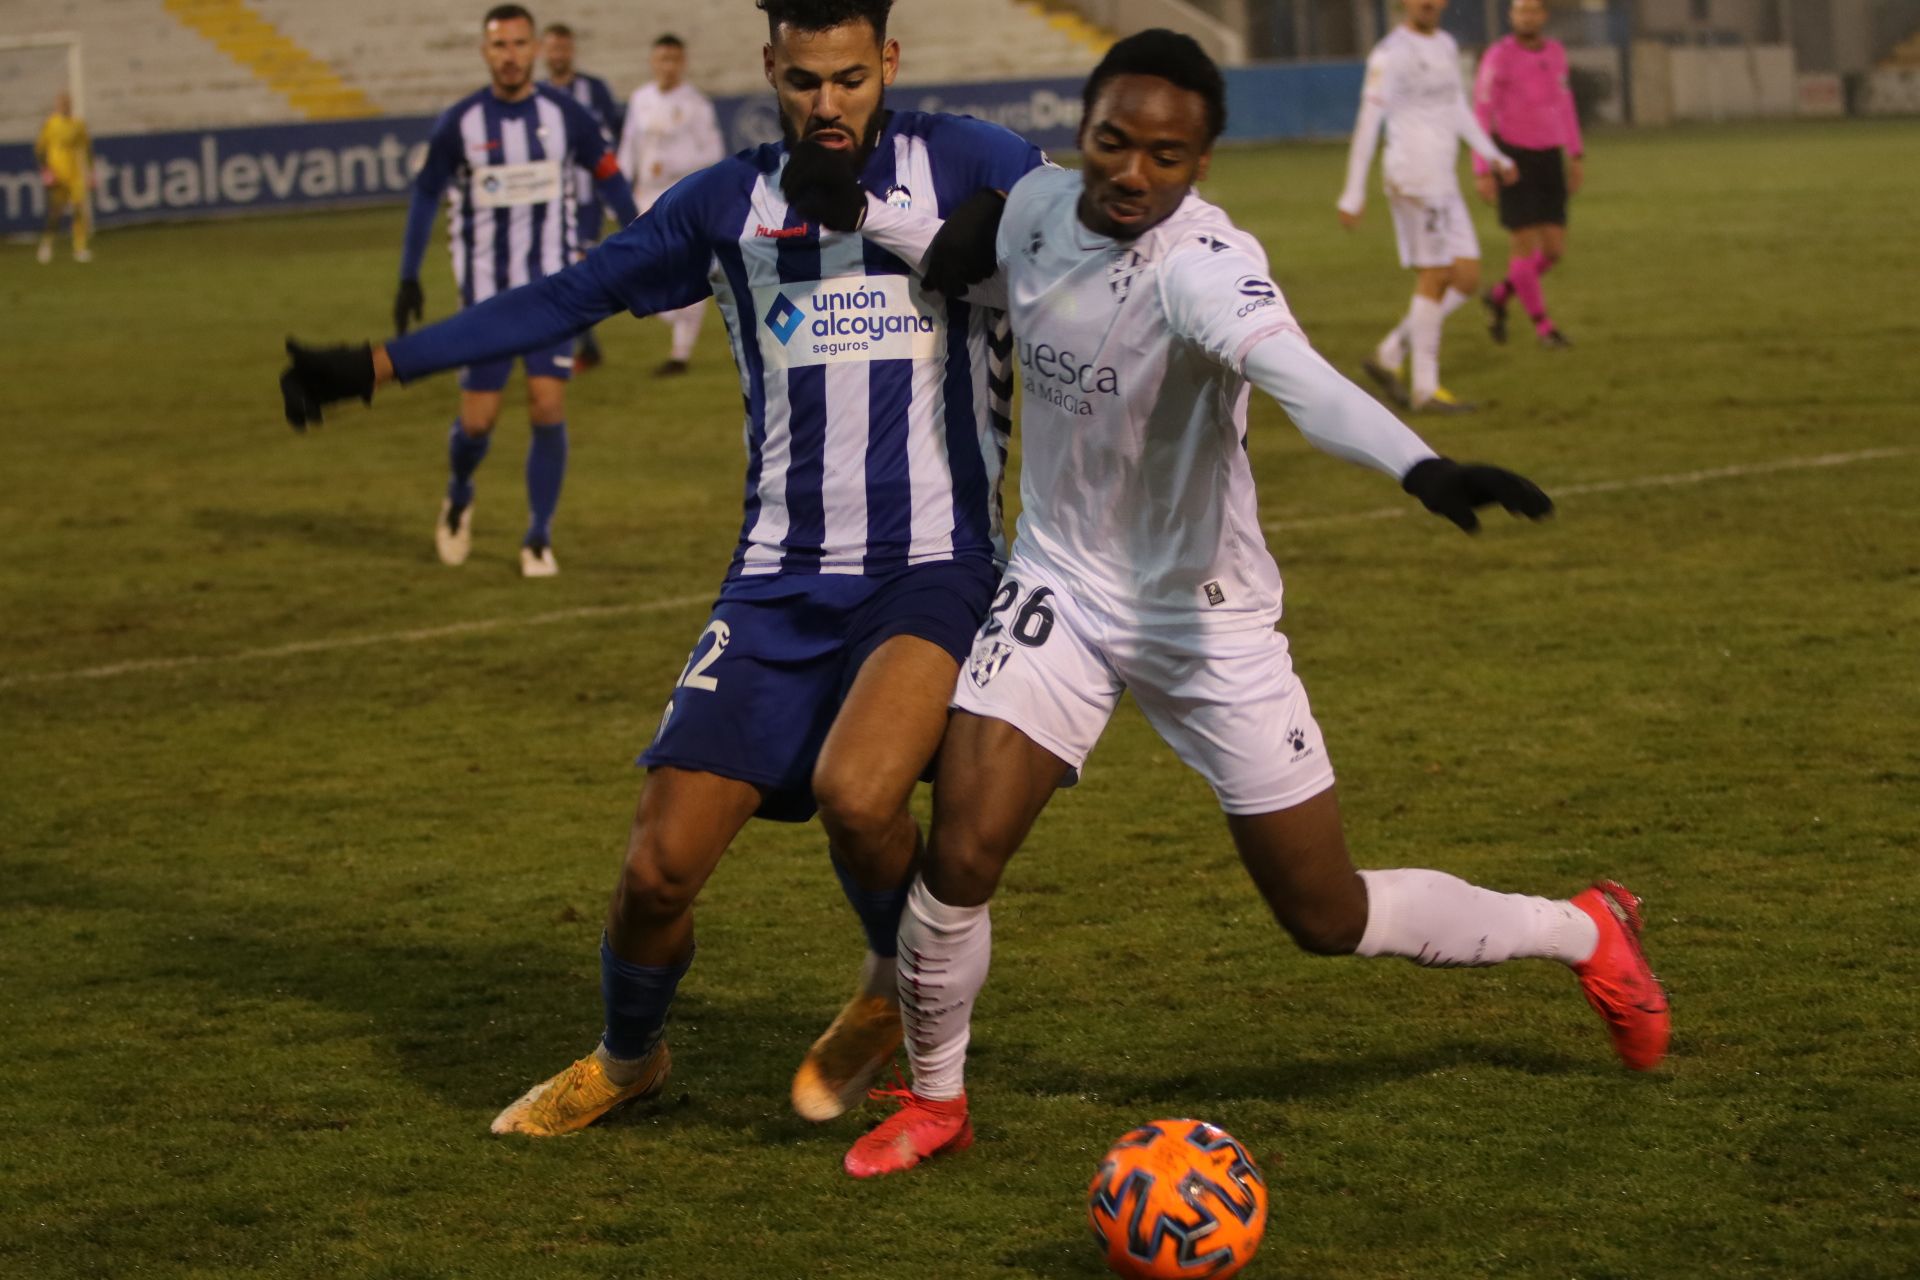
(419, 636)
(1621, 486)
(424, 635)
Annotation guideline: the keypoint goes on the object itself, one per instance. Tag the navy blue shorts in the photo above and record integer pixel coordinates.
(548, 362)
(767, 677)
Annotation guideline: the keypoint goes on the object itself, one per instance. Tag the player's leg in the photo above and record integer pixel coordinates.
(546, 457)
(887, 731)
(1242, 719)
(1031, 703)
(1298, 859)
(1552, 247)
(467, 443)
(684, 326)
(684, 823)
(56, 209)
(992, 784)
(1521, 246)
(903, 651)
(82, 222)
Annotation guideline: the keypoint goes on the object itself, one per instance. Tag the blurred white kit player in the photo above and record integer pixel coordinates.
(1414, 87)
(671, 131)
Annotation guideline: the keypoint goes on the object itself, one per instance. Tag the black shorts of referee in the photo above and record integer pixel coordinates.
(1539, 198)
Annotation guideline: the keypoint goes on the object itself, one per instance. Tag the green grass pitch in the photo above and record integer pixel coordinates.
(305, 840)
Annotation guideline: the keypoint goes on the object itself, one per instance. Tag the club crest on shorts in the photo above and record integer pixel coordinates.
(987, 661)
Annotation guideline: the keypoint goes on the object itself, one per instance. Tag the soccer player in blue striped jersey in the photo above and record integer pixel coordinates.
(875, 432)
(504, 158)
(591, 92)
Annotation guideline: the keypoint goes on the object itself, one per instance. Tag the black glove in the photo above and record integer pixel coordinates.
(822, 185)
(320, 376)
(409, 302)
(963, 251)
(1453, 489)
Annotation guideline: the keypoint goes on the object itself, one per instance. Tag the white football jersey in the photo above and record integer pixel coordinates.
(1134, 475)
(1414, 82)
(667, 136)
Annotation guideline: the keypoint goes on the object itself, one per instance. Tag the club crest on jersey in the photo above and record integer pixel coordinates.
(899, 197)
(1121, 271)
(988, 660)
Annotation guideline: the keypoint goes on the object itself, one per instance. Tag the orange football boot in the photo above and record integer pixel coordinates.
(1617, 980)
(922, 1127)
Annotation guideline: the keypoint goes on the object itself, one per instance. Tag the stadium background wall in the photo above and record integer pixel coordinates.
(222, 171)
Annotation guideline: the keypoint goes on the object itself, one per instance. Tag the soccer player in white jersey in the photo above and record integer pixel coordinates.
(1413, 86)
(876, 430)
(1143, 318)
(557, 49)
(503, 156)
(671, 131)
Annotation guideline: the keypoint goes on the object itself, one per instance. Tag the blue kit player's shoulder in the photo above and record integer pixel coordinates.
(970, 154)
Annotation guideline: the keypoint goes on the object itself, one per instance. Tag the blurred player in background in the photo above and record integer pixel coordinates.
(64, 153)
(671, 131)
(1524, 99)
(591, 92)
(1413, 86)
(504, 157)
(876, 431)
(1140, 566)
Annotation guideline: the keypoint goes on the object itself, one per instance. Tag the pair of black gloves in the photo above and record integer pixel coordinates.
(320, 376)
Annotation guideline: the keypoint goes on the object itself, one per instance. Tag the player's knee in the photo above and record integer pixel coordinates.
(854, 806)
(1325, 929)
(474, 426)
(651, 891)
(964, 873)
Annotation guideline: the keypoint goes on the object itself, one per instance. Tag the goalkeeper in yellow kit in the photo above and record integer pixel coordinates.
(65, 154)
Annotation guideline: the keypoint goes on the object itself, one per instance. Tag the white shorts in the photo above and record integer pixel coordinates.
(1434, 233)
(1228, 703)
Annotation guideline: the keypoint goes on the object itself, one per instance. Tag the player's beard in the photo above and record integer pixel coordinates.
(857, 158)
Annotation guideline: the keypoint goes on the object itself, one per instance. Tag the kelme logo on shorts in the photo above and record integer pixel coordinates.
(785, 319)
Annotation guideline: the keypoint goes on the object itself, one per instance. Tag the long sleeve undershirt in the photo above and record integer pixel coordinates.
(1334, 415)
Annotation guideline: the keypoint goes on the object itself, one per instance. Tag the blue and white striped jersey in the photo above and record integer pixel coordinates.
(594, 94)
(506, 170)
(877, 412)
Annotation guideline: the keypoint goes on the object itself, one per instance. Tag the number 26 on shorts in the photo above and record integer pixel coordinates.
(1032, 623)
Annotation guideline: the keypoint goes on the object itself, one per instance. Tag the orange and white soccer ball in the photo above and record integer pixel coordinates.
(1177, 1198)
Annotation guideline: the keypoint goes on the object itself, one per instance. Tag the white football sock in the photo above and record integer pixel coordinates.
(1393, 348)
(880, 976)
(685, 324)
(1423, 321)
(943, 964)
(1441, 921)
(1453, 301)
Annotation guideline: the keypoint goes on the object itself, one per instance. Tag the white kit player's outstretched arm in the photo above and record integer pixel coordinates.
(1474, 134)
(1366, 135)
(1334, 415)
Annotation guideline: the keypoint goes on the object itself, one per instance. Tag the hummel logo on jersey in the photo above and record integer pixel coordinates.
(781, 233)
(785, 319)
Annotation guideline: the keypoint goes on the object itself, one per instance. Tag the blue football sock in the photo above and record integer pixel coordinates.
(546, 468)
(464, 455)
(637, 997)
(879, 909)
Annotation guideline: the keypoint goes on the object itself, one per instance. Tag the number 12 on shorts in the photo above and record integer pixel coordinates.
(1032, 623)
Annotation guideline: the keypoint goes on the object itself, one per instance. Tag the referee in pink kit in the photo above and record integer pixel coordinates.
(1522, 98)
